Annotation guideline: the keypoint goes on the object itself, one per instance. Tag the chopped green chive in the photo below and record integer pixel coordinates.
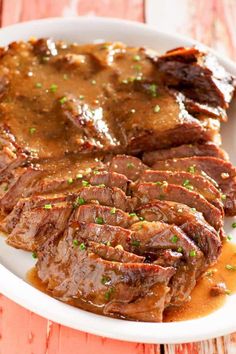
(105, 280)
(223, 196)
(70, 180)
(82, 246)
(63, 100)
(32, 130)
(48, 206)
(108, 294)
(81, 97)
(101, 185)
(137, 67)
(85, 183)
(99, 220)
(113, 211)
(79, 201)
(180, 249)
(136, 57)
(158, 183)
(130, 165)
(229, 237)
(230, 267)
(75, 242)
(192, 169)
(38, 85)
(34, 255)
(141, 218)
(234, 225)
(79, 175)
(194, 209)
(156, 109)
(209, 273)
(45, 59)
(192, 253)
(153, 90)
(135, 243)
(187, 184)
(174, 239)
(53, 88)
(132, 214)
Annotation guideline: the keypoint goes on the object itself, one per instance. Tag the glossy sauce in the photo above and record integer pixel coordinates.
(202, 303)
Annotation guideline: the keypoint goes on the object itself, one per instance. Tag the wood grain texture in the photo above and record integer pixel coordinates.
(210, 21)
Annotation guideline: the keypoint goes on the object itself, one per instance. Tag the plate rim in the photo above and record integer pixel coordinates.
(45, 306)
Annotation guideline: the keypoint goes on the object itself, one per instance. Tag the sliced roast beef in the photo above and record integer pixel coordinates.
(148, 191)
(25, 205)
(130, 166)
(113, 197)
(114, 254)
(222, 172)
(104, 215)
(109, 179)
(198, 75)
(36, 225)
(106, 234)
(113, 283)
(21, 188)
(156, 235)
(208, 149)
(190, 221)
(192, 182)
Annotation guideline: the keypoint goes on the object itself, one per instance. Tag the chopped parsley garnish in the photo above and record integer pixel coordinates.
(192, 169)
(34, 255)
(113, 211)
(38, 85)
(180, 249)
(48, 206)
(158, 183)
(99, 220)
(32, 130)
(82, 246)
(70, 180)
(230, 267)
(130, 165)
(153, 90)
(63, 100)
(141, 218)
(156, 109)
(174, 239)
(194, 210)
(105, 280)
(223, 196)
(132, 214)
(234, 225)
(135, 243)
(75, 242)
(85, 183)
(108, 294)
(192, 253)
(136, 57)
(229, 237)
(53, 88)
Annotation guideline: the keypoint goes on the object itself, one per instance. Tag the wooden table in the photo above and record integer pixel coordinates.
(210, 21)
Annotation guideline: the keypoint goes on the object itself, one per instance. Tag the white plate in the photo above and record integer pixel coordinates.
(15, 263)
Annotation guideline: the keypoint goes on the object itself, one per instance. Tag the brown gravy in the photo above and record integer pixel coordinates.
(202, 303)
